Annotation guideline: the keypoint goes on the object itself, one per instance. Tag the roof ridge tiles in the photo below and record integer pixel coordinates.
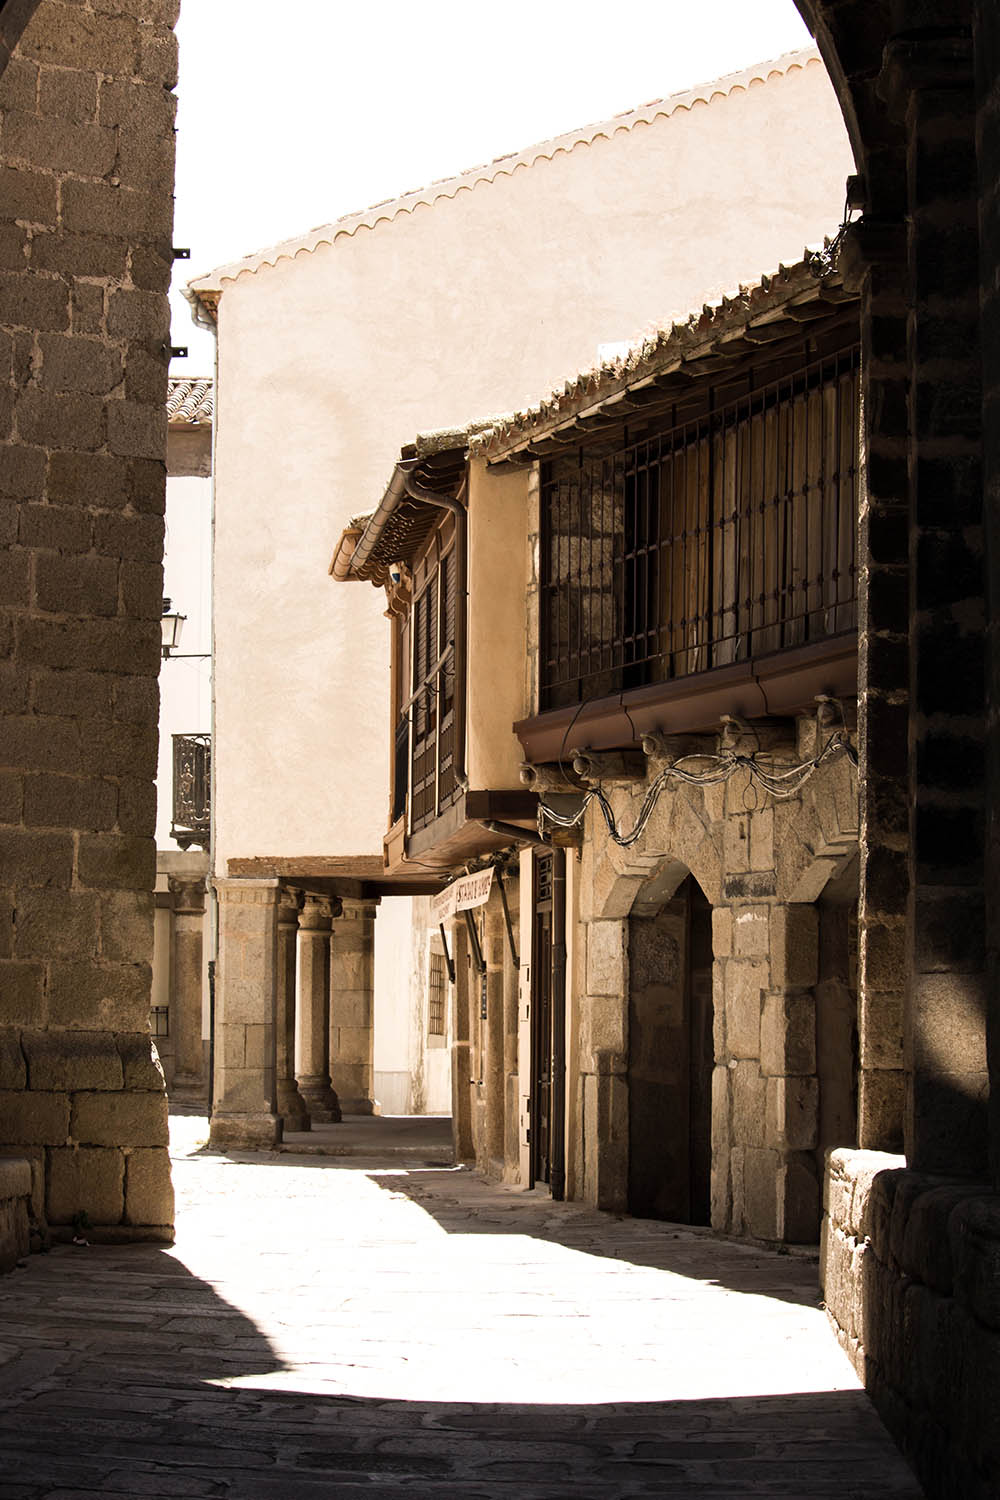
(206, 288)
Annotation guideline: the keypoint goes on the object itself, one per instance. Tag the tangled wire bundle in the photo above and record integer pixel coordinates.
(761, 769)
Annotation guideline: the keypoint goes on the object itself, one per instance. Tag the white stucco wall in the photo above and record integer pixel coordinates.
(185, 683)
(476, 304)
(412, 1070)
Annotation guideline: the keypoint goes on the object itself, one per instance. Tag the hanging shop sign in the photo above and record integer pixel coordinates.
(461, 895)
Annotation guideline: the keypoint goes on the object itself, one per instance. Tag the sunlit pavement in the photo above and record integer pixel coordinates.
(323, 1329)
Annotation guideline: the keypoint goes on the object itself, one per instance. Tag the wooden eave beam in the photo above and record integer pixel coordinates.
(770, 333)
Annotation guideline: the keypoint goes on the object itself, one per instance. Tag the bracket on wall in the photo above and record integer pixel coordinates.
(448, 960)
(515, 960)
(478, 961)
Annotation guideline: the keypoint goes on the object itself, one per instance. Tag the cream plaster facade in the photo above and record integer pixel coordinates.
(390, 324)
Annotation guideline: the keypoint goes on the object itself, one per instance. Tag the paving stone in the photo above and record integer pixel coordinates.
(328, 1327)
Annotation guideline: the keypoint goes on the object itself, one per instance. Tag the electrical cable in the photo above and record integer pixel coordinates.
(779, 784)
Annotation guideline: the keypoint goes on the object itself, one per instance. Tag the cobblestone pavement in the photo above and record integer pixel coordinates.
(323, 1331)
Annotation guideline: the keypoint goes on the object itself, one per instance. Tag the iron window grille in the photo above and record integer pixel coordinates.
(718, 540)
(436, 1010)
(159, 1020)
(192, 790)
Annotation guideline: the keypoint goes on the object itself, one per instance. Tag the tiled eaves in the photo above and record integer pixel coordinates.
(191, 403)
(675, 353)
(206, 290)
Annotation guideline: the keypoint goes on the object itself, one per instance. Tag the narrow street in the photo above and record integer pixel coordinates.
(324, 1328)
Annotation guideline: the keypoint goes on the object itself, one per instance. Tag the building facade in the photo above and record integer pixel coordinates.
(911, 1252)
(667, 795)
(180, 1000)
(360, 331)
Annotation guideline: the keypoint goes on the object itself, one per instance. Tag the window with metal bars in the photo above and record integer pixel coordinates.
(431, 713)
(436, 1012)
(716, 540)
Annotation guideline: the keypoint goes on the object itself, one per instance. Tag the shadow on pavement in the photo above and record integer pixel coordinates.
(679, 1248)
(127, 1375)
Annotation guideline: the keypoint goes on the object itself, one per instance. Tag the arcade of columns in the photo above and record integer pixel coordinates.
(293, 1011)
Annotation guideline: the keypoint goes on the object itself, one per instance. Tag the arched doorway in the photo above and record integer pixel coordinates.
(670, 1054)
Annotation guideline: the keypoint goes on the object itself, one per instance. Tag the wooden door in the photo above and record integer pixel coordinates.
(541, 1023)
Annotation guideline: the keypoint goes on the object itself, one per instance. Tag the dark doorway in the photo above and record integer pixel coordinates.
(671, 1056)
(541, 1023)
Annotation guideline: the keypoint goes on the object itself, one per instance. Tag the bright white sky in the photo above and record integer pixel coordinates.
(344, 104)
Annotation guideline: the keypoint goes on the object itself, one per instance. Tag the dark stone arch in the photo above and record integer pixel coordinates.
(14, 17)
(851, 36)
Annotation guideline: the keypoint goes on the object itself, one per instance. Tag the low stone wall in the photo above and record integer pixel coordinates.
(910, 1266)
(68, 1103)
(15, 1197)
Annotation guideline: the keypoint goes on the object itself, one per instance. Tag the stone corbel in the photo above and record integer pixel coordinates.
(549, 778)
(609, 765)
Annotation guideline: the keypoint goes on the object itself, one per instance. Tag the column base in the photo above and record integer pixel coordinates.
(360, 1106)
(190, 1091)
(320, 1100)
(246, 1132)
(292, 1107)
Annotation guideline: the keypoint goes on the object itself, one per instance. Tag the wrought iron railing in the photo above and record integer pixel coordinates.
(713, 542)
(192, 790)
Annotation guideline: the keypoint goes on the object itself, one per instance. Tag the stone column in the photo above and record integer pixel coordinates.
(928, 82)
(493, 952)
(352, 1007)
(987, 36)
(461, 1048)
(245, 1112)
(291, 1105)
(788, 1068)
(874, 257)
(511, 1074)
(314, 1013)
(186, 936)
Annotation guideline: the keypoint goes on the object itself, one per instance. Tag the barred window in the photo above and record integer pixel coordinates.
(432, 734)
(436, 996)
(159, 1020)
(713, 541)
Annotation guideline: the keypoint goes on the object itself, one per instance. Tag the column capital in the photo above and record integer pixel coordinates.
(239, 891)
(358, 911)
(315, 915)
(188, 892)
(289, 906)
(871, 242)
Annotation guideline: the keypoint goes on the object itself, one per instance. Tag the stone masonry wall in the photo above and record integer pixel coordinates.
(911, 1277)
(762, 866)
(987, 38)
(86, 138)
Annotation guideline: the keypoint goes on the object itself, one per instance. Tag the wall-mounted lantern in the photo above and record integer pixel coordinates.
(171, 625)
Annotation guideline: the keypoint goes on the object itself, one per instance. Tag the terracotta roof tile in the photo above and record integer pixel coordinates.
(190, 403)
